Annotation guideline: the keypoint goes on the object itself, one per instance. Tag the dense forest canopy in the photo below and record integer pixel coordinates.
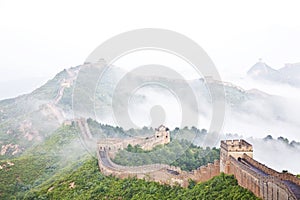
(88, 183)
(177, 153)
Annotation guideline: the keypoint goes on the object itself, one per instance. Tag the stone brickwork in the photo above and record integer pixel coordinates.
(272, 172)
(161, 137)
(161, 173)
(264, 182)
(234, 148)
(204, 173)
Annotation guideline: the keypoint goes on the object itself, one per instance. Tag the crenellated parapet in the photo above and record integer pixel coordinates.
(204, 173)
(234, 148)
(161, 137)
(161, 173)
(263, 181)
(260, 183)
(280, 175)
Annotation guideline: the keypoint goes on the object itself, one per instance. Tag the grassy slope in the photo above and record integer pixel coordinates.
(39, 163)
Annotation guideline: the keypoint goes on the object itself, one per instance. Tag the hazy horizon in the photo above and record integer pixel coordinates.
(33, 47)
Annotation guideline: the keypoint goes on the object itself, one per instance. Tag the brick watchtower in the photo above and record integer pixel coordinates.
(162, 133)
(234, 148)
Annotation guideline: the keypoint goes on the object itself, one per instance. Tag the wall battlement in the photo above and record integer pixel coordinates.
(236, 146)
(263, 181)
(262, 184)
(283, 176)
(162, 173)
(161, 137)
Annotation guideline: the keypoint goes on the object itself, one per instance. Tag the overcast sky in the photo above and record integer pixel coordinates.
(38, 38)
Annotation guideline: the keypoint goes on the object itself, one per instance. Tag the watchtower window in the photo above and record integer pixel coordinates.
(157, 136)
(166, 136)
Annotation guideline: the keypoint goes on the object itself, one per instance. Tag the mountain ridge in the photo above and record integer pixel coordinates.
(289, 74)
(28, 119)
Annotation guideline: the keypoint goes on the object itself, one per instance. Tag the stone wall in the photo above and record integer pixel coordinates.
(245, 177)
(161, 173)
(272, 172)
(204, 173)
(156, 172)
(84, 129)
(261, 183)
(116, 144)
(235, 158)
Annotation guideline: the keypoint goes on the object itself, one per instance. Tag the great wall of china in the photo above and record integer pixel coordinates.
(236, 158)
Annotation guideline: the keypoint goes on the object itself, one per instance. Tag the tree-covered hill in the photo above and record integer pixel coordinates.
(87, 182)
(179, 153)
(41, 163)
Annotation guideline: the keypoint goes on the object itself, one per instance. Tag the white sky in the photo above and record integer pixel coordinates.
(39, 38)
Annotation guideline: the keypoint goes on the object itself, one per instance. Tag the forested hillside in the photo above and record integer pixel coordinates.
(88, 183)
(61, 168)
(41, 163)
(177, 153)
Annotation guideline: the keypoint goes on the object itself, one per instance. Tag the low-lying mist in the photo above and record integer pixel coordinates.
(277, 154)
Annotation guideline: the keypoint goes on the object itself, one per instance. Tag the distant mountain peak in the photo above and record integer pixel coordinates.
(260, 69)
(289, 74)
(263, 71)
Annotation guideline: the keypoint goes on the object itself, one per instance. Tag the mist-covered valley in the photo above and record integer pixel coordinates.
(250, 113)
